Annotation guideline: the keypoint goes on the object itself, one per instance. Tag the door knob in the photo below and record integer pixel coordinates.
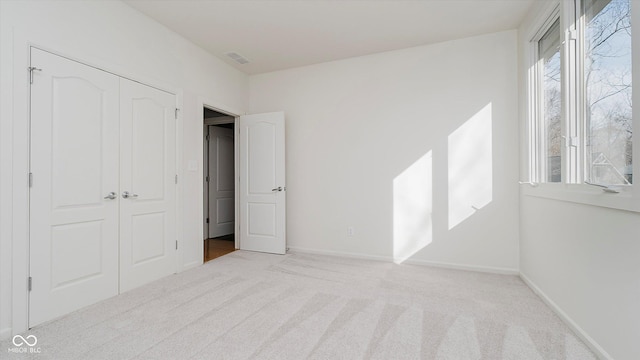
(128, 195)
(279, 188)
(112, 195)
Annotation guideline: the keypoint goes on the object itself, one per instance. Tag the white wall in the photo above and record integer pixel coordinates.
(111, 35)
(355, 126)
(584, 260)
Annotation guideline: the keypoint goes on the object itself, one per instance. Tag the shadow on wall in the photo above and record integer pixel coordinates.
(469, 186)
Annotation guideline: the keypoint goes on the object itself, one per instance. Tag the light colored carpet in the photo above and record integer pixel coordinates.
(248, 305)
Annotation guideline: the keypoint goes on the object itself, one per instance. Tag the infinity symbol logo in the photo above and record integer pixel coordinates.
(18, 340)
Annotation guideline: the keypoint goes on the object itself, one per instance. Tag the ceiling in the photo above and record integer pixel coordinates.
(275, 34)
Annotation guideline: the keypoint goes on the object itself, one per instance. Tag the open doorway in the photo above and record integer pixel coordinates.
(219, 184)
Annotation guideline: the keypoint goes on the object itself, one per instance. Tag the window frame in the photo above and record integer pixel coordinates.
(572, 188)
(541, 145)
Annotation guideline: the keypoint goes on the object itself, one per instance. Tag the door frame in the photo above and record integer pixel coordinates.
(20, 154)
(213, 105)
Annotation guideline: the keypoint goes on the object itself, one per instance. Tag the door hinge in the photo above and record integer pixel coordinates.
(176, 244)
(30, 283)
(31, 70)
(207, 220)
(30, 179)
(176, 113)
(207, 179)
(208, 137)
(176, 178)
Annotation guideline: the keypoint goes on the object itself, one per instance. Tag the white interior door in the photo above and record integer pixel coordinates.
(73, 220)
(221, 182)
(262, 183)
(147, 184)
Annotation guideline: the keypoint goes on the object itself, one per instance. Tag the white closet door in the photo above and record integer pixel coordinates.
(147, 175)
(74, 162)
(221, 182)
(262, 183)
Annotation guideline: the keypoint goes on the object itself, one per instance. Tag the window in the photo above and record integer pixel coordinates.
(582, 122)
(607, 86)
(550, 103)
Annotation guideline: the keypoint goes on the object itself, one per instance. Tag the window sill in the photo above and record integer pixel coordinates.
(585, 194)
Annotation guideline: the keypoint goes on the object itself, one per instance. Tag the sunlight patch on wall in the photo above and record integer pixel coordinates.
(470, 167)
(412, 208)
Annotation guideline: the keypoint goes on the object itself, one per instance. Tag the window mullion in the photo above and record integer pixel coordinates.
(579, 94)
(535, 132)
(572, 138)
(540, 129)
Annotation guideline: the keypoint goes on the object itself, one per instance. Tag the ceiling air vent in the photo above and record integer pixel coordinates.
(237, 58)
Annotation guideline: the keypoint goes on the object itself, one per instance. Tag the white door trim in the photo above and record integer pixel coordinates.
(235, 113)
(205, 187)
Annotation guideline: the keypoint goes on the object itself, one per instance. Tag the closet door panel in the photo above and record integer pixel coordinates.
(74, 145)
(147, 184)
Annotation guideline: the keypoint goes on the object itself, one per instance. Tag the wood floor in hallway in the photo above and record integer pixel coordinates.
(216, 247)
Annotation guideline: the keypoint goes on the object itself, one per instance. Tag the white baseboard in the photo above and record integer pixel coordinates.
(340, 253)
(191, 265)
(5, 333)
(478, 268)
(588, 340)
(485, 269)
